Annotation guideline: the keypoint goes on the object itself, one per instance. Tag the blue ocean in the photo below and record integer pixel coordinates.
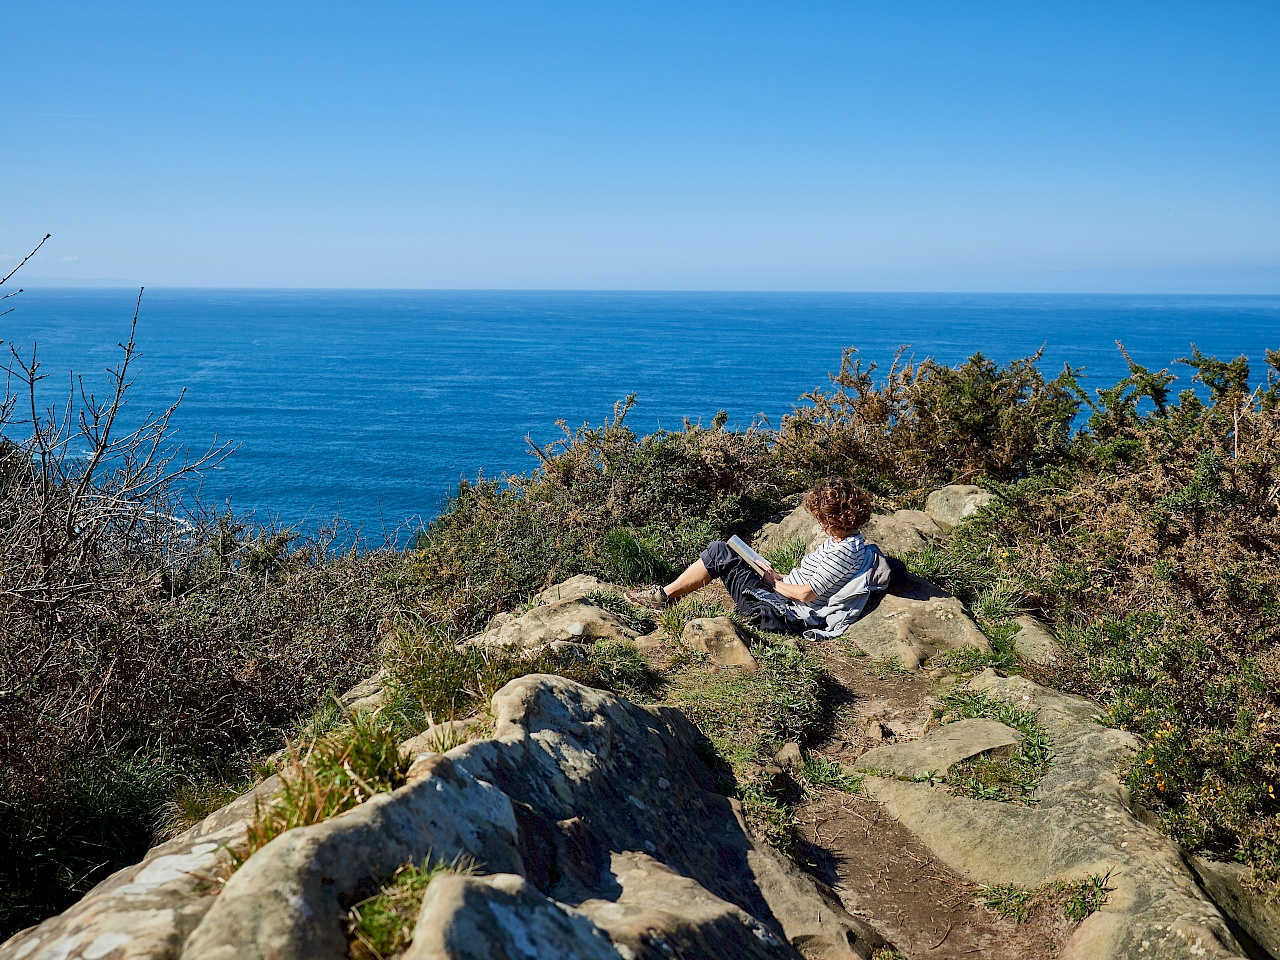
(371, 405)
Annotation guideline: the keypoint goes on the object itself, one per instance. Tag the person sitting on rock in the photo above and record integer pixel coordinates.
(821, 596)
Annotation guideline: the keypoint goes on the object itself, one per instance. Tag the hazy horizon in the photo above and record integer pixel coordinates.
(848, 147)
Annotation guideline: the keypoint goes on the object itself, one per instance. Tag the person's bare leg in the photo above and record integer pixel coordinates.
(694, 577)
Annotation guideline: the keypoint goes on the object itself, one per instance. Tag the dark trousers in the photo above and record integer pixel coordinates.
(745, 586)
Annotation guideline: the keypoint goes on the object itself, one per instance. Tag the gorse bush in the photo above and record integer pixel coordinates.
(603, 501)
(925, 424)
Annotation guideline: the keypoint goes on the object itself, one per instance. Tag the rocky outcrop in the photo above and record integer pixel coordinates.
(897, 533)
(1034, 643)
(575, 588)
(914, 626)
(597, 829)
(901, 532)
(798, 524)
(956, 502)
(1256, 913)
(149, 909)
(1081, 825)
(574, 620)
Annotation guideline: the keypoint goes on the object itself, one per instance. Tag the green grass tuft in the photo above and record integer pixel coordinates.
(629, 558)
(334, 773)
(784, 557)
(1075, 901)
(382, 925)
(693, 607)
(639, 619)
(1000, 778)
(820, 772)
(1007, 899)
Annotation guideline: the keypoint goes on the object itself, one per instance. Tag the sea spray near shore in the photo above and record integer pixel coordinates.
(372, 404)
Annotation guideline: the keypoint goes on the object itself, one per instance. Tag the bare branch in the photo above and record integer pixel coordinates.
(25, 259)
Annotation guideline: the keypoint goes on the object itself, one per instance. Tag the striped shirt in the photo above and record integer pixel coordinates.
(831, 566)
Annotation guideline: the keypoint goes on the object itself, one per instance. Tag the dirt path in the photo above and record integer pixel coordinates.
(882, 874)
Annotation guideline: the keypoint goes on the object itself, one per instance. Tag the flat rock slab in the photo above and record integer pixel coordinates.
(575, 588)
(575, 620)
(718, 638)
(940, 749)
(1081, 826)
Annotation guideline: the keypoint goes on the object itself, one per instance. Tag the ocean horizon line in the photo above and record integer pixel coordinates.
(60, 286)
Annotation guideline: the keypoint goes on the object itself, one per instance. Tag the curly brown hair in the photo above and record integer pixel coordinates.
(840, 505)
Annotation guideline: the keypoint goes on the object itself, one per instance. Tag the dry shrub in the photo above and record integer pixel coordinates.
(143, 647)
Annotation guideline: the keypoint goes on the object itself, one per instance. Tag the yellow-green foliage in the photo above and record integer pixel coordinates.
(676, 617)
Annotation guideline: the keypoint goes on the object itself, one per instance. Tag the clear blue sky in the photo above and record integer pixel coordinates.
(832, 146)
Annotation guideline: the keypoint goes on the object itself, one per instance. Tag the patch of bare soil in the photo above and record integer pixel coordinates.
(881, 872)
(886, 878)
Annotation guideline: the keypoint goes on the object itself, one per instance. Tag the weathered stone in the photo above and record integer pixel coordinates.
(286, 901)
(914, 631)
(798, 524)
(1034, 643)
(877, 730)
(1256, 913)
(501, 917)
(598, 804)
(575, 588)
(683, 915)
(366, 695)
(896, 533)
(571, 621)
(940, 749)
(790, 757)
(146, 911)
(1080, 826)
(956, 502)
(718, 638)
(651, 642)
(900, 533)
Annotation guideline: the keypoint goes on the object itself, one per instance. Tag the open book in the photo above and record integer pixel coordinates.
(756, 562)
